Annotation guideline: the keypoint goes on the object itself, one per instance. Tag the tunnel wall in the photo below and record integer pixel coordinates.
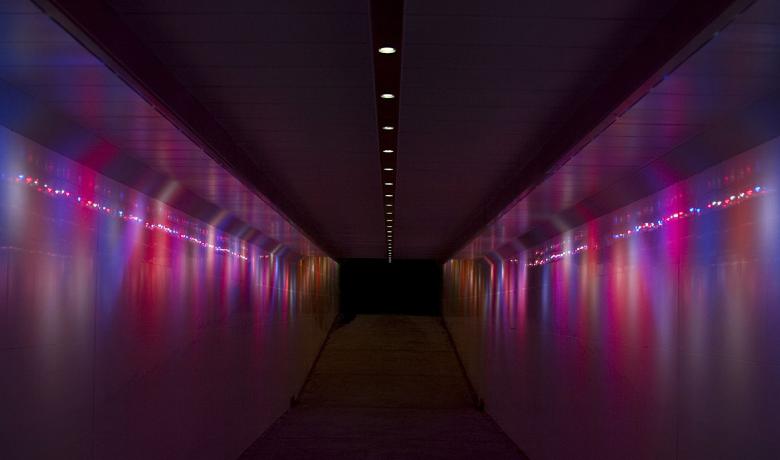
(651, 332)
(120, 340)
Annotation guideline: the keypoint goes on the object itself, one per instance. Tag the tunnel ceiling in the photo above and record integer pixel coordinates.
(493, 97)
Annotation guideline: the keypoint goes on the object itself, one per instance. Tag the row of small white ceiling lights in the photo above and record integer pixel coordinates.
(388, 186)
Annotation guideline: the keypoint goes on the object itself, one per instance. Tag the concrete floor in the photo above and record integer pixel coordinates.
(385, 387)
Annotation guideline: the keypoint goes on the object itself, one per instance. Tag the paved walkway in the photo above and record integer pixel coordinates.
(385, 387)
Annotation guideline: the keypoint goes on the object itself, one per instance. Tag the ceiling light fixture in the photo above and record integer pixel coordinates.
(387, 151)
(389, 195)
(386, 50)
(387, 96)
(388, 128)
(388, 169)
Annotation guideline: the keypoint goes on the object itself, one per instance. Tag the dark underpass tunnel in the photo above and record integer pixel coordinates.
(405, 287)
(389, 229)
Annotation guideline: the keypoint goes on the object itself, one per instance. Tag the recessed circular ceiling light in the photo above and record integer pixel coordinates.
(389, 195)
(388, 128)
(388, 169)
(387, 96)
(387, 151)
(388, 183)
(388, 204)
(386, 50)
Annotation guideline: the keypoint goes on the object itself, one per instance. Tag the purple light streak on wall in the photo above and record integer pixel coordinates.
(117, 341)
(660, 344)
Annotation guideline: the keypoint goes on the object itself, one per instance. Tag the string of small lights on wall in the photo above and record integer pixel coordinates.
(545, 256)
(387, 33)
(74, 198)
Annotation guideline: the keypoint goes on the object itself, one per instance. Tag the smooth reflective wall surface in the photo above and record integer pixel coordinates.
(651, 332)
(130, 330)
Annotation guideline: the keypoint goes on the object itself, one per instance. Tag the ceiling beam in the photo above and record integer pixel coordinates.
(54, 131)
(688, 26)
(741, 131)
(100, 29)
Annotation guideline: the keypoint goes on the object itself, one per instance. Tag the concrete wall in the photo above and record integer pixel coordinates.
(118, 341)
(662, 343)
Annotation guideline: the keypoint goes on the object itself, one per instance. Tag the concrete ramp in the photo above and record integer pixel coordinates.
(386, 387)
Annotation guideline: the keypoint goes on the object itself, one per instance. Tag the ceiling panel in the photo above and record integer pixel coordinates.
(484, 83)
(46, 63)
(292, 85)
(485, 87)
(731, 73)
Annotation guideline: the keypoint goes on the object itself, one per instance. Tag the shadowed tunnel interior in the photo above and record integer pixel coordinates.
(406, 286)
(389, 229)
